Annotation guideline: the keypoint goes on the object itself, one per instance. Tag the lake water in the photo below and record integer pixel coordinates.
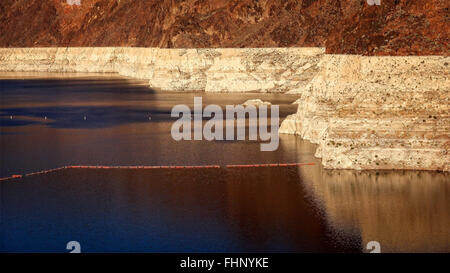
(50, 123)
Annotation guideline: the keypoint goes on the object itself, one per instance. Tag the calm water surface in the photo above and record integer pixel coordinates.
(49, 123)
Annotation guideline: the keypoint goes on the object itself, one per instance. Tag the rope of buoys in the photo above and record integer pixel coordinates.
(14, 176)
(270, 165)
(17, 176)
(144, 167)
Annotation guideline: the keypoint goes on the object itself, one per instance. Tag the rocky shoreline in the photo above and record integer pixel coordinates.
(364, 112)
(377, 112)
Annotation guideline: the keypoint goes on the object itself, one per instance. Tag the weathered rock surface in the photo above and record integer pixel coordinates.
(396, 27)
(377, 112)
(210, 70)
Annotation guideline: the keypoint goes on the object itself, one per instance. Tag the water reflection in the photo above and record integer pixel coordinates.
(406, 211)
(79, 117)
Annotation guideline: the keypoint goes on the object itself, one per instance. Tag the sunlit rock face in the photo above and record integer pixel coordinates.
(401, 27)
(377, 112)
(275, 70)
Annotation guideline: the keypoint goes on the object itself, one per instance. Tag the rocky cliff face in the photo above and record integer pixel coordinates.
(377, 112)
(276, 70)
(396, 27)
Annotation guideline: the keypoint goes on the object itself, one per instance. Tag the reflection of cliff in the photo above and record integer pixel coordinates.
(405, 211)
(268, 209)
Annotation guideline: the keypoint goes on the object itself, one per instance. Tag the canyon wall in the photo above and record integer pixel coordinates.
(210, 70)
(396, 27)
(377, 112)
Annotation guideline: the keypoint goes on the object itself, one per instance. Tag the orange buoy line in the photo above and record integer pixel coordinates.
(16, 176)
(144, 167)
(270, 165)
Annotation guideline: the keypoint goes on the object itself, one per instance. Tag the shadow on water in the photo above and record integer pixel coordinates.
(10, 122)
(95, 103)
(80, 117)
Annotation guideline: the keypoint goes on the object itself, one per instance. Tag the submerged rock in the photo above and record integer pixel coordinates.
(256, 102)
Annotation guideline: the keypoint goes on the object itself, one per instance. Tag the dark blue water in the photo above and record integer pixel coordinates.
(163, 211)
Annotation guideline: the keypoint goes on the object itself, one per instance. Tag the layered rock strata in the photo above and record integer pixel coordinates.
(210, 70)
(377, 112)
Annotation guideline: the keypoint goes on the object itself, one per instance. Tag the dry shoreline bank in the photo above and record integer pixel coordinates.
(211, 70)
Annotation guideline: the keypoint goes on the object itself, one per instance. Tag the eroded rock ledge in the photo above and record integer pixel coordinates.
(377, 112)
(210, 70)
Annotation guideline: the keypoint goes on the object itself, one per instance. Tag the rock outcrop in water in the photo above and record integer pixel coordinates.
(256, 102)
(396, 27)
